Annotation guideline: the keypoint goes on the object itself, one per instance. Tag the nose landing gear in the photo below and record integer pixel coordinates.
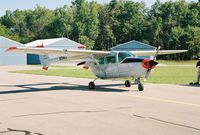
(140, 85)
(137, 81)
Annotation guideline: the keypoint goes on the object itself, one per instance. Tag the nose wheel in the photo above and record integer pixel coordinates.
(140, 87)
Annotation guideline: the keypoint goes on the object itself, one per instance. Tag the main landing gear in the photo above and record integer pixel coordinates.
(91, 85)
(127, 83)
(137, 81)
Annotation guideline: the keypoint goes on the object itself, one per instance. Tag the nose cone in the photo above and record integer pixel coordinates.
(149, 64)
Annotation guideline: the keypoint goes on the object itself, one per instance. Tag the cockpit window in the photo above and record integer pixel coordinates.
(107, 60)
(123, 55)
(101, 60)
(110, 59)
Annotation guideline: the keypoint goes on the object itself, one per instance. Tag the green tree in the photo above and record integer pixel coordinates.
(38, 19)
(5, 32)
(106, 38)
(171, 25)
(61, 26)
(85, 22)
(194, 42)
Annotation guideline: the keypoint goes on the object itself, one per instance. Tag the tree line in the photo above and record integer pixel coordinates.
(171, 25)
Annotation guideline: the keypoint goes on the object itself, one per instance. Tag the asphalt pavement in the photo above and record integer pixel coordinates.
(48, 105)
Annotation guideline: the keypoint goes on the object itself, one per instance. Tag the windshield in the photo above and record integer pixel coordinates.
(123, 55)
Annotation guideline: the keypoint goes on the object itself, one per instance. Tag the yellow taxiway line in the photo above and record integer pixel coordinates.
(164, 100)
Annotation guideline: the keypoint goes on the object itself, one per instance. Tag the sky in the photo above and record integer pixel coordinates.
(51, 4)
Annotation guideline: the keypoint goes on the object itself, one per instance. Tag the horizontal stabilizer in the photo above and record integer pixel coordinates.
(81, 63)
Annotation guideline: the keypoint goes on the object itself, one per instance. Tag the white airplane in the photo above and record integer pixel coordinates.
(104, 64)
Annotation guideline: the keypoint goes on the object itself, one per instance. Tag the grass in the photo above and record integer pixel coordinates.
(61, 71)
(169, 74)
(173, 75)
(167, 62)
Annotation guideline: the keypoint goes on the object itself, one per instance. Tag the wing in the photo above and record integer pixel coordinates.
(160, 52)
(69, 53)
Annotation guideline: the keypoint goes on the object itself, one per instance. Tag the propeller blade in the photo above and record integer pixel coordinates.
(158, 49)
(147, 74)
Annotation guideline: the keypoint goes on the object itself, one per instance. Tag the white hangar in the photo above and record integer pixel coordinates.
(8, 58)
(61, 43)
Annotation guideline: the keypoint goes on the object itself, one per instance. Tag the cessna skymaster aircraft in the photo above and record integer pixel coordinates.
(104, 64)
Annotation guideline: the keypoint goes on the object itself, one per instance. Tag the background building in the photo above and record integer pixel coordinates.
(8, 58)
(134, 46)
(59, 43)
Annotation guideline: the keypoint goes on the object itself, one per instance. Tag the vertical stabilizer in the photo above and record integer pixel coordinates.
(45, 61)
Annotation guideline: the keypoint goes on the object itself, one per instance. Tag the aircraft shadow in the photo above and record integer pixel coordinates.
(26, 88)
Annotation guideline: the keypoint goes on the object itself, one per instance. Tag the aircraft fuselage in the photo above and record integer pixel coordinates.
(119, 64)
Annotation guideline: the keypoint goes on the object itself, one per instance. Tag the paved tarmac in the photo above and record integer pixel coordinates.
(46, 105)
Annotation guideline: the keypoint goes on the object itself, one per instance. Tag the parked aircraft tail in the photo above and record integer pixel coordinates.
(46, 61)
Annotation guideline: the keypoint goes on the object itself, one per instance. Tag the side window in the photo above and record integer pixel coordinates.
(110, 59)
(101, 60)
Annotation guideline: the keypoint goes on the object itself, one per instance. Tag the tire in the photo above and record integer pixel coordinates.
(127, 83)
(140, 87)
(91, 85)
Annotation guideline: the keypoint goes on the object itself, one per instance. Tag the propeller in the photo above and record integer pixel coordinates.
(147, 75)
(149, 65)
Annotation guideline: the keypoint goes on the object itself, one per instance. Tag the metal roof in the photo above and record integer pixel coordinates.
(6, 42)
(49, 42)
(43, 41)
(13, 58)
(133, 45)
